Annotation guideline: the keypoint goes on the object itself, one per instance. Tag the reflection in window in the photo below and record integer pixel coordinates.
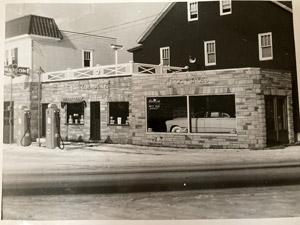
(118, 113)
(213, 114)
(161, 110)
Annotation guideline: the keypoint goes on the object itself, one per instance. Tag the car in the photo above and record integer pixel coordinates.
(204, 122)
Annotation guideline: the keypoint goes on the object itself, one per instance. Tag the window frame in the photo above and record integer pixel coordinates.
(260, 47)
(189, 116)
(109, 123)
(6, 62)
(79, 122)
(189, 11)
(91, 57)
(221, 2)
(206, 53)
(162, 49)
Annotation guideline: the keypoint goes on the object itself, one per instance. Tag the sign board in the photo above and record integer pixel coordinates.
(13, 70)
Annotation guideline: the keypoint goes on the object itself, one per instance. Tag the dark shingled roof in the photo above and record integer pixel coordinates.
(32, 24)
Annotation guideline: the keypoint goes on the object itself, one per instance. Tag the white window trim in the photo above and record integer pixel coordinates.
(261, 58)
(206, 55)
(7, 58)
(161, 55)
(189, 11)
(92, 57)
(221, 8)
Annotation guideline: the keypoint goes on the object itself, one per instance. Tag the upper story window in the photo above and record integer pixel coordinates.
(11, 57)
(265, 46)
(192, 11)
(6, 62)
(87, 58)
(14, 56)
(225, 7)
(210, 53)
(165, 56)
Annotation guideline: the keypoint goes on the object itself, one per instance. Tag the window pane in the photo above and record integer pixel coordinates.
(86, 63)
(212, 114)
(75, 113)
(266, 52)
(166, 62)
(211, 58)
(118, 112)
(167, 114)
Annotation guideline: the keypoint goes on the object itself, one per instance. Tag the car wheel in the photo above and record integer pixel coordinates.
(176, 129)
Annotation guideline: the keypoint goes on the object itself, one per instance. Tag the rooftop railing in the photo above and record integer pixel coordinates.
(108, 71)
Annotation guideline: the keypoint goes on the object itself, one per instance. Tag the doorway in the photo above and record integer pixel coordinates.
(276, 120)
(95, 121)
(8, 133)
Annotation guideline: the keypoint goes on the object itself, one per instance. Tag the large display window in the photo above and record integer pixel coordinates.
(162, 109)
(212, 114)
(192, 114)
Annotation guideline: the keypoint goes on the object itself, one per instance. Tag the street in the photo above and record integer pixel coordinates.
(267, 202)
(130, 182)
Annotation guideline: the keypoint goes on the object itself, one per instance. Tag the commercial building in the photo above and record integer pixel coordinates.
(35, 42)
(206, 75)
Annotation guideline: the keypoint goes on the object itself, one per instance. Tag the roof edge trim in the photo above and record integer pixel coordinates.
(155, 22)
(282, 6)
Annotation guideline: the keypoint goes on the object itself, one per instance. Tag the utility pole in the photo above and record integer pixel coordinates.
(39, 72)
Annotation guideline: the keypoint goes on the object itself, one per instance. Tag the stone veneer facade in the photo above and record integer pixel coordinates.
(103, 90)
(249, 85)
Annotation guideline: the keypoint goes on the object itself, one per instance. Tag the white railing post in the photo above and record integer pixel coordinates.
(161, 68)
(131, 67)
(68, 73)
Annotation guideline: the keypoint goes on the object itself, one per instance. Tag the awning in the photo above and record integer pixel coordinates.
(73, 100)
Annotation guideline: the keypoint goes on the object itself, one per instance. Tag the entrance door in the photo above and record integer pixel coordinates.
(95, 121)
(276, 120)
(6, 123)
(44, 108)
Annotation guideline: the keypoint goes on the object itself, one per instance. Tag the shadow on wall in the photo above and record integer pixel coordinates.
(108, 140)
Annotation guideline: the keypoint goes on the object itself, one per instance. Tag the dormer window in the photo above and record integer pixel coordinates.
(225, 7)
(192, 11)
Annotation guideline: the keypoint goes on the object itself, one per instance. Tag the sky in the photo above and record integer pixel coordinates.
(124, 21)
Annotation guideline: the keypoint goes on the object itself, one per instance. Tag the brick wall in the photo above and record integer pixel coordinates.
(249, 86)
(103, 90)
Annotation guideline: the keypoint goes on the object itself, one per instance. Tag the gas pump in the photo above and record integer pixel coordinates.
(53, 138)
(24, 132)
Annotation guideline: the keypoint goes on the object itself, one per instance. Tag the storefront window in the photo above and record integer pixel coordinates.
(75, 113)
(207, 114)
(161, 110)
(118, 113)
(212, 114)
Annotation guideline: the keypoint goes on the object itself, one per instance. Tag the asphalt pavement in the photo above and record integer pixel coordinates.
(109, 168)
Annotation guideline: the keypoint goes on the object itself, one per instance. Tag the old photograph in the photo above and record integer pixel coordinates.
(150, 111)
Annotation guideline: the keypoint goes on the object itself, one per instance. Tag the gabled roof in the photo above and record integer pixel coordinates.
(287, 5)
(32, 24)
(135, 48)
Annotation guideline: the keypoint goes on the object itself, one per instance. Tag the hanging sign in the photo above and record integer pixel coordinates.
(13, 70)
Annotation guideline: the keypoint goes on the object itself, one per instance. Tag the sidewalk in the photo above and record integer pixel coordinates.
(116, 157)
